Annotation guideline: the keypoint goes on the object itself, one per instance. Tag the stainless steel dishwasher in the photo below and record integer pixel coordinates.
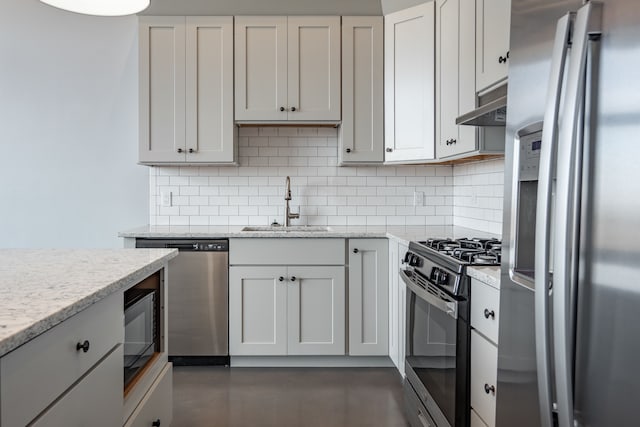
(198, 300)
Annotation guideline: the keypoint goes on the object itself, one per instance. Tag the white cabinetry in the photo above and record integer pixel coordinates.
(361, 130)
(368, 297)
(287, 68)
(485, 312)
(289, 302)
(493, 18)
(38, 373)
(156, 406)
(397, 305)
(410, 84)
(455, 76)
(186, 90)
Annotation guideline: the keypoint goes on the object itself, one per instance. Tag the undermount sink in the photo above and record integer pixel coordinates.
(291, 228)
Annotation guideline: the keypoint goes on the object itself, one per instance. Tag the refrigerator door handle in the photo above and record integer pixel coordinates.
(543, 214)
(588, 22)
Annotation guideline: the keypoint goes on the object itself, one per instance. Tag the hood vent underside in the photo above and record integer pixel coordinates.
(491, 111)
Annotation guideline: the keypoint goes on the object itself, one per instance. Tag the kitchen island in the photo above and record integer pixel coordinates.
(62, 333)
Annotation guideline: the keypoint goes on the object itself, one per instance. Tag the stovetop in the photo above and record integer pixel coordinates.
(468, 251)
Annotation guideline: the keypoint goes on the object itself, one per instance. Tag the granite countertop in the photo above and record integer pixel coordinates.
(489, 275)
(40, 288)
(399, 233)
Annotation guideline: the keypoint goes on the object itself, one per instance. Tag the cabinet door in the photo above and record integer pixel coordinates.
(402, 301)
(157, 404)
(484, 373)
(209, 86)
(314, 67)
(410, 84)
(261, 67)
(361, 131)
(394, 306)
(493, 18)
(455, 73)
(257, 311)
(368, 297)
(162, 89)
(316, 310)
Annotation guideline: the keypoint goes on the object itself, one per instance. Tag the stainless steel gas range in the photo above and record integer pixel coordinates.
(437, 327)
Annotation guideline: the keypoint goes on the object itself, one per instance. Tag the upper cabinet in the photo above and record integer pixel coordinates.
(361, 131)
(493, 18)
(455, 74)
(186, 90)
(287, 68)
(410, 84)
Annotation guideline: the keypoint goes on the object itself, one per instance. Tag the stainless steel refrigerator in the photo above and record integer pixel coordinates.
(569, 340)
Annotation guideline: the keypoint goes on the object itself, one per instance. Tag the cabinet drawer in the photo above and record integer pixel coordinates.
(485, 309)
(476, 421)
(157, 404)
(52, 362)
(95, 401)
(286, 251)
(484, 373)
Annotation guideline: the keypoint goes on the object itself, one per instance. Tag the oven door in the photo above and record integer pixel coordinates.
(431, 356)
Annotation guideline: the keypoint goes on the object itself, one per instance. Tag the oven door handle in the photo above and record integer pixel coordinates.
(449, 307)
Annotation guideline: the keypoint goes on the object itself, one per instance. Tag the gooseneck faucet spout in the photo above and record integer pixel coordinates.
(288, 215)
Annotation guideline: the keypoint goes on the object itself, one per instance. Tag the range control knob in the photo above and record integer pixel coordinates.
(414, 261)
(407, 257)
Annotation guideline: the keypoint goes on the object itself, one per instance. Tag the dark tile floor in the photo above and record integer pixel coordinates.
(283, 397)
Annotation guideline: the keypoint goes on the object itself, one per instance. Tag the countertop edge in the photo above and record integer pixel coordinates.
(486, 274)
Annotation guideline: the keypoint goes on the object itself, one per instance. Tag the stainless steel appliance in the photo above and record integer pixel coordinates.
(569, 284)
(437, 327)
(198, 300)
(140, 330)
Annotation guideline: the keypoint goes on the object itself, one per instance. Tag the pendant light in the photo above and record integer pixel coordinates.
(100, 7)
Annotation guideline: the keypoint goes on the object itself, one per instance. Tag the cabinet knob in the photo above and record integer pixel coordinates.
(293, 108)
(191, 150)
(453, 141)
(348, 150)
(503, 59)
(488, 314)
(281, 108)
(355, 250)
(180, 150)
(293, 278)
(83, 346)
(389, 149)
(156, 423)
(280, 279)
(489, 389)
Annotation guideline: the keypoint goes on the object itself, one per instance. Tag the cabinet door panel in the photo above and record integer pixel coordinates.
(409, 84)
(261, 67)
(209, 70)
(316, 311)
(157, 404)
(162, 88)
(257, 311)
(492, 26)
(394, 306)
(314, 67)
(368, 297)
(484, 371)
(402, 300)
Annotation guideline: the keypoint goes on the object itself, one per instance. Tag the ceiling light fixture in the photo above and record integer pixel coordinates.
(100, 7)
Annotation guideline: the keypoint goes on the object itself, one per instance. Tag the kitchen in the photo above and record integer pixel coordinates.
(98, 190)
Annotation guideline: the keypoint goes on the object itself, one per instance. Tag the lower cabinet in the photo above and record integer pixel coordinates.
(156, 407)
(397, 305)
(286, 310)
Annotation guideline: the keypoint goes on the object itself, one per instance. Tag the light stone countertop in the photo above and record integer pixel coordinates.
(488, 275)
(40, 288)
(402, 234)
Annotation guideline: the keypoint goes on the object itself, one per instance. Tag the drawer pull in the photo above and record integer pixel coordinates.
(488, 314)
(293, 278)
(355, 250)
(83, 346)
(489, 389)
(280, 279)
(156, 423)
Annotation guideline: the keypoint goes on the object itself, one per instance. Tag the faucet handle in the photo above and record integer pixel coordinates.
(294, 215)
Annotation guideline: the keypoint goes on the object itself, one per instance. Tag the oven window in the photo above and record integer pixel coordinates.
(139, 331)
(431, 351)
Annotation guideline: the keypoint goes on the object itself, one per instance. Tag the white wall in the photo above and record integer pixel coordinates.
(68, 128)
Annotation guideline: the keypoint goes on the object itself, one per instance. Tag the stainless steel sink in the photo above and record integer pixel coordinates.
(291, 228)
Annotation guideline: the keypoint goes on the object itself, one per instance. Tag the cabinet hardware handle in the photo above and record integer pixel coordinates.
(281, 108)
(453, 141)
(488, 314)
(355, 250)
(280, 279)
(348, 150)
(489, 389)
(293, 108)
(180, 150)
(191, 150)
(83, 346)
(389, 149)
(293, 278)
(156, 423)
(503, 59)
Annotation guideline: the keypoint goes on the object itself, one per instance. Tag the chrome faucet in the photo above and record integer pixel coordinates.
(288, 215)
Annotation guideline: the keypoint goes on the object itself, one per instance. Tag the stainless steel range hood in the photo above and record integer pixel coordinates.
(491, 111)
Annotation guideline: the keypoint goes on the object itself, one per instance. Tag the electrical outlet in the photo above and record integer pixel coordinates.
(165, 198)
(418, 198)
